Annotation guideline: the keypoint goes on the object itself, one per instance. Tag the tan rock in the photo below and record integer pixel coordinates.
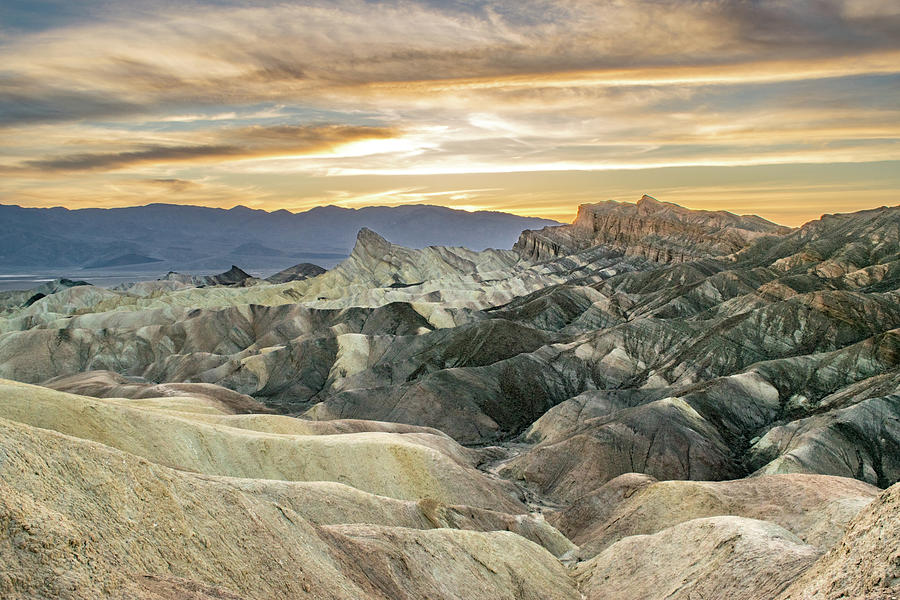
(864, 564)
(81, 521)
(815, 508)
(718, 557)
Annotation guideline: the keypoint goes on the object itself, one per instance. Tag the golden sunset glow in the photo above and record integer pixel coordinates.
(787, 110)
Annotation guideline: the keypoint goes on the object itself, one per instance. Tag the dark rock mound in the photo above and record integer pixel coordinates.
(235, 277)
(296, 273)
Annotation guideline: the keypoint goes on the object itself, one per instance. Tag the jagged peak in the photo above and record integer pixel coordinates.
(367, 234)
(367, 239)
(236, 270)
(660, 231)
(650, 206)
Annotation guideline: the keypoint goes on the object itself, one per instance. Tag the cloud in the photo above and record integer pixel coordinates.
(313, 52)
(243, 143)
(25, 101)
(116, 160)
(174, 185)
(356, 90)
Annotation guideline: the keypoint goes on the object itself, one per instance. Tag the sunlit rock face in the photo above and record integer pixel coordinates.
(658, 231)
(651, 402)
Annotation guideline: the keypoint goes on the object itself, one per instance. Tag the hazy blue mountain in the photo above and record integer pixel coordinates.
(122, 261)
(167, 236)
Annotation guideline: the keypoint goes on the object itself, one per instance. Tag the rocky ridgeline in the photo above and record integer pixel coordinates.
(652, 402)
(658, 231)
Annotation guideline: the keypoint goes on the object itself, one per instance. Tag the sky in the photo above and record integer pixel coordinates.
(786, 108)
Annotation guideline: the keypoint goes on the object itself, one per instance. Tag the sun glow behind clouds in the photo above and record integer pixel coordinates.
(529, 106)
(368, 147)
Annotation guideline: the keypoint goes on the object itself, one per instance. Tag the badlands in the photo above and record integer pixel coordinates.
(651, 402)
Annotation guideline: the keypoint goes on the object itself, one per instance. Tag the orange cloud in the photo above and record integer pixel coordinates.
(229, 103)
(245, 143)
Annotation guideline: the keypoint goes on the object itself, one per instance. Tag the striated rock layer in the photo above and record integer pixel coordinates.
(659, 231)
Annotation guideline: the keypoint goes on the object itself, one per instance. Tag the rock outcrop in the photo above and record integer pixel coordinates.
(659, 231)
(235, 276)
(296, 273)
(14, 299)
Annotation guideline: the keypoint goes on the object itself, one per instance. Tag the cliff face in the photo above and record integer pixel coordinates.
(658, 231)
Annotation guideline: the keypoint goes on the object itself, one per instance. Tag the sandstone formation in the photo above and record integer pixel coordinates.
(659, 231)
(815, 508)
(107, 384)
(405, 466)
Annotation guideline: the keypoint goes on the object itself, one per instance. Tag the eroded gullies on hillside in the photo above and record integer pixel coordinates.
(651, 381)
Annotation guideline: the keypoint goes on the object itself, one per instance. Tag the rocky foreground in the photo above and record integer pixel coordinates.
(649, 403)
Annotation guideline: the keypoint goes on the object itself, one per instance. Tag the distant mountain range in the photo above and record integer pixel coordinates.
(164, 237)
